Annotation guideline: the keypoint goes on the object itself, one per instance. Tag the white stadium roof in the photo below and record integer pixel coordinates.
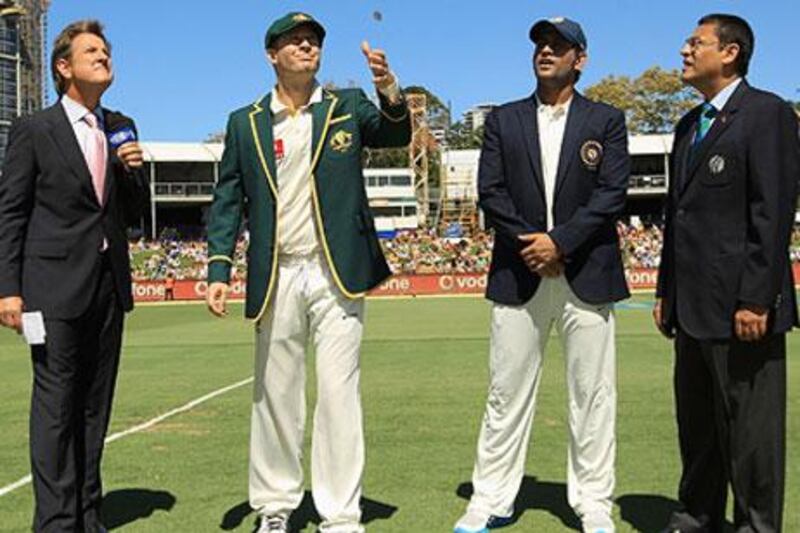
(649, 144)
(182, 152)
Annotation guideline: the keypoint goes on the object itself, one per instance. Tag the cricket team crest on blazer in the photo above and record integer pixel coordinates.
(716, 164)
(591, 153)
(341, 141)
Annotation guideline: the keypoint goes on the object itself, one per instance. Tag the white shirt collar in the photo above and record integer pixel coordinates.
(277, 107)
(725, 94)
(554, 111)
(76, 112)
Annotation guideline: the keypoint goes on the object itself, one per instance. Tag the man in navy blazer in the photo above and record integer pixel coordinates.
(725, 288)
(553, 176)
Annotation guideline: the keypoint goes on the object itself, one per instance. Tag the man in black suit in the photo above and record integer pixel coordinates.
(66, 197)
(725, 287)
(553, 176)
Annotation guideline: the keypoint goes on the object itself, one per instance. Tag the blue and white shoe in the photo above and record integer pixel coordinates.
(473, 522)
(496, 522)
(597, 523)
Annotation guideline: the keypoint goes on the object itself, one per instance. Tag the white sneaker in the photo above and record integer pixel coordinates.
(277, 523)
(597, 522)
(472, 522)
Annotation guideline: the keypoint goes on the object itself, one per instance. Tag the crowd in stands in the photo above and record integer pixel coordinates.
(640, 244)
(408, 252)
(173, 257)
(794, 249)
(423, 252)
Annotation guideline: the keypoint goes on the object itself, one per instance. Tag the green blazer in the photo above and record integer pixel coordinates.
(344, 122)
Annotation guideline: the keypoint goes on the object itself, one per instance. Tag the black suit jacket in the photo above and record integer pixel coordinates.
(51, 224)
(589, 194)
(729, 217)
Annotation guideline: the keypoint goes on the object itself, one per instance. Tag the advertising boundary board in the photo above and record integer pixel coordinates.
(399, 285)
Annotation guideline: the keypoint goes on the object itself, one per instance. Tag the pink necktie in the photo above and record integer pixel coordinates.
(96, 156)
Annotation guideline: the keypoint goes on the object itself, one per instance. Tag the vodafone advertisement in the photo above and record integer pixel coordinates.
(400, 285)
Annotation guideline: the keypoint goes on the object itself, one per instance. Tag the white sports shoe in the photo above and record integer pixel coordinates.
(274, 524)
(597, 523)
(472, 522)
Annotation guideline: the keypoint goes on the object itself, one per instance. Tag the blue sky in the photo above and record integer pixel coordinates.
(183, 65)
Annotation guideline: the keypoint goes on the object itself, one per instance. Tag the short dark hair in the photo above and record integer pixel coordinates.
(731, 29)
(62, 47)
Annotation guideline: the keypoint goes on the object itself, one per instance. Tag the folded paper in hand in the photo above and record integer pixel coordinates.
(33, 328)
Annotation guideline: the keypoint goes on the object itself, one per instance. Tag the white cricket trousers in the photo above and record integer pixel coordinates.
(518, 339)
(308, 306)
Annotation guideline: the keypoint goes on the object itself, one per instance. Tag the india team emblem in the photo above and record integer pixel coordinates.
(341, 141)
(591, 153)
(716, 164)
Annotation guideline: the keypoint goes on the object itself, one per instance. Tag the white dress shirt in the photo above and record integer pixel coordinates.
(292, 132)
(552, 122)
(723, 96)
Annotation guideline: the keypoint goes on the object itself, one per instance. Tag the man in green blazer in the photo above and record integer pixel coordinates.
(292, 167)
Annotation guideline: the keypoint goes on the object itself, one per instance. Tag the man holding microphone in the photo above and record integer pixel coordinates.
(292, 165)
(72, 181)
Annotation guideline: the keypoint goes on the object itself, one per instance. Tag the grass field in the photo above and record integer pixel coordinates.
(423, 383)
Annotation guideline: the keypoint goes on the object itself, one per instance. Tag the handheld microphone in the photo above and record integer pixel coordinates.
(119, 130)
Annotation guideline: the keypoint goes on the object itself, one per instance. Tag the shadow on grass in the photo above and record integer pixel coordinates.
(234, 516)
(306, 514)
(644, 512)
(533, 494)
(647, 512)
(121, 507)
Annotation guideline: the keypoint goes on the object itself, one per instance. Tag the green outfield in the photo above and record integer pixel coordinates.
(424, 381)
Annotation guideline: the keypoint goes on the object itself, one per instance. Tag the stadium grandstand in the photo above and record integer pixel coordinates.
(170, 240)
(182, 177)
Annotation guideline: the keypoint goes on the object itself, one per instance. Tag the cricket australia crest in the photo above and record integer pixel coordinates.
(341, 141)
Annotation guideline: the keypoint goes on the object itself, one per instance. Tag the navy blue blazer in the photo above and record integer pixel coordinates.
(590, 190)
(729, 216)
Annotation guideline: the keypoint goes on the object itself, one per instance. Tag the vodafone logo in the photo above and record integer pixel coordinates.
(642, 278)
(399, 285)
(201, 288)
(396, 284)
(153, 291)
(148, 291)
(463, 283)
(237, 288)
